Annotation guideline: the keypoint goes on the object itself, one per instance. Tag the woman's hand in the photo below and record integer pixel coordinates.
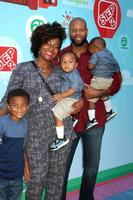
(76, 107)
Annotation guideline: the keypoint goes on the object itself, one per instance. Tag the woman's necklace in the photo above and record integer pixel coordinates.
(40, 98)
(45, 70)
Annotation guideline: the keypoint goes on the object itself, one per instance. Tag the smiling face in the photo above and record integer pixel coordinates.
(49, 50)
(18, 107)
(78, 32)
(68, 62)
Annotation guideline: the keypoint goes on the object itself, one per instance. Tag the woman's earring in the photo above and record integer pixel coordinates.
(56, 61)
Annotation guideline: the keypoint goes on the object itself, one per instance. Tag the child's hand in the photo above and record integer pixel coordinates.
(56, 98)
(26, 171)
(26, 175)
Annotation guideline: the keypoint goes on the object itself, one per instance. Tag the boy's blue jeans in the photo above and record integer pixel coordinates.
(11, 189)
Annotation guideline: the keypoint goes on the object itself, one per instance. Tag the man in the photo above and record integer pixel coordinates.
(91, 138)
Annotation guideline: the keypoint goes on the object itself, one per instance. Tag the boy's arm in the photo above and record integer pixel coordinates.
(93, 61)
(91, 66)
(62, 95)
(26, 170)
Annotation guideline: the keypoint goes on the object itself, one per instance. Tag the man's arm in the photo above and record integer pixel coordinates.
(116, 84)
(114, 88)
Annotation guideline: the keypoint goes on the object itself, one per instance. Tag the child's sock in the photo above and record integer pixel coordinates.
(108, 106)
(91, 114)
(60, 132)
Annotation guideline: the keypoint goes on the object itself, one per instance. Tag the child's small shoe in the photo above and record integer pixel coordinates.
(91, 123)
(58, 143)
(110, 115)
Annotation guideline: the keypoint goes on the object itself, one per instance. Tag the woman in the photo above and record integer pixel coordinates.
(47, 168)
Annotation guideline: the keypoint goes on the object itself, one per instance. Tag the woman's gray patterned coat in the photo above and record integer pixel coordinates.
(47, 168)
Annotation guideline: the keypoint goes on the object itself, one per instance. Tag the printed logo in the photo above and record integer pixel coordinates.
(8, 58)
(78, 3)
(107, 17)
(33, 4)
(67, 18)
(32, 23)
(47, 3)
(124, 43)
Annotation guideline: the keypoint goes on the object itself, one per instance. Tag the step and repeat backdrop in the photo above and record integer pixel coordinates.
(110, 19)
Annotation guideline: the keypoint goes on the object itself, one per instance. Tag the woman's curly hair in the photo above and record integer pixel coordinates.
(44, 33)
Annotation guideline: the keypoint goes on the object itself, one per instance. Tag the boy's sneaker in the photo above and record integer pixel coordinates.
(91, 123)
(110, 115)
(58, 143)
(74, 121)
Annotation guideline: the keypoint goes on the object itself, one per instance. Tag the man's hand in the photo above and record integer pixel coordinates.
(76, 107)
(90, 92)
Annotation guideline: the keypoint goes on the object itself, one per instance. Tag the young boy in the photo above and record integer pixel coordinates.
(13, 128)
(103, 65)
(72, 85)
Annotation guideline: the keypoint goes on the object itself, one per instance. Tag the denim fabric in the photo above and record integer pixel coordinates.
(11, 189)
(91, 141)
(105, 64)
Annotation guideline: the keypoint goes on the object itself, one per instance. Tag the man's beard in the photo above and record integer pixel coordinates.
(78, 44)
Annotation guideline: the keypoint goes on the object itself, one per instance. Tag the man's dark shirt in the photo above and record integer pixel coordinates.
(86, 76)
